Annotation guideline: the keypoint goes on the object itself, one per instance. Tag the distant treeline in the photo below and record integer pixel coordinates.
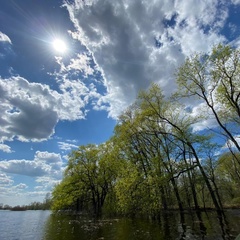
(45, 205)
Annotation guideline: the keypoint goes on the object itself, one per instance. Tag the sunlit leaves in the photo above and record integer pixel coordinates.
(156, 159)
(89, 176)
(215, 79)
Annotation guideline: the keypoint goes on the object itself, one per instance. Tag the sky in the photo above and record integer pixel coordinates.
(69, 68)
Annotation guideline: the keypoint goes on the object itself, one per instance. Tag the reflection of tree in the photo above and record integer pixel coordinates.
(202, 227)
(182, 228)
(224, 225)
(57, 227)
(169, 225)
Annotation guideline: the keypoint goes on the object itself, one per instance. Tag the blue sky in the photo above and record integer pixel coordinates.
(52, 101)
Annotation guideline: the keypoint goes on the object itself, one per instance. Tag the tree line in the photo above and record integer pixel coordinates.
(158, 158)
(44, 205)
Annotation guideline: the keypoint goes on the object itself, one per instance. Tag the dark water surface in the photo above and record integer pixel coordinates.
(36, 225)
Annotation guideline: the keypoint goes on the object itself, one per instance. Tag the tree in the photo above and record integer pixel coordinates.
(67, 193)
(226, 75)
(88, 178)
(141, 152)
(215, 80)
(178, 125)
(156, 159)
(228, 172)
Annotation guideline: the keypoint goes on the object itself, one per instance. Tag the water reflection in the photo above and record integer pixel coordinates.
(170, 225)
(196, 227)
(206, 225)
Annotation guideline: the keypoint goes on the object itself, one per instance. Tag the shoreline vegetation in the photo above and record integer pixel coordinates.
(45, 205)
(42, 206)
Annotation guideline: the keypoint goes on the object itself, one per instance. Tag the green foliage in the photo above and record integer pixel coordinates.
(215, 80)
(66, 193)
(229, 166)
(155, 160)
(89, 176)
(236, 202)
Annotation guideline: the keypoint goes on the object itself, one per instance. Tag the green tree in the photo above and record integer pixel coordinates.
(179, 125)
(67, 193)
(89, 177)
(228, 172)
(156, 160)
(214, 80)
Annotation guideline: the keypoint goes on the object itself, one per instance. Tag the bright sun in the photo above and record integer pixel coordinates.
(59, 45)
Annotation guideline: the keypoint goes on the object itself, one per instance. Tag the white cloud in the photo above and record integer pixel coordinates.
(24, 167)
(13, 194)
(230, 145)
(5, 148)
(198, 110)
(66, 146)
(19, 196)
(43, 164)
(5, 180)
(46, 183)
(45, 170)
(21, 186)
(135, 43)
(49, 158)
(30, 111)
(204, 13)
(129, 43)
(235, 2)
(71, 140)
(5, 46)
(4, 38)
(27, 109)
(82, 64)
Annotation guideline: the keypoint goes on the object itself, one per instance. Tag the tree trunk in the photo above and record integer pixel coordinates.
(163, 197)
(205, 178)
(175, 188)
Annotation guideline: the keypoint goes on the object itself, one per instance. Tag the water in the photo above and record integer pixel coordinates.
(36, 225)
(22, 225)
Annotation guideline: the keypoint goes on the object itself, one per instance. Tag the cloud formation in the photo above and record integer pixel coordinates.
(128, 46)
(4, 38)
(5, 180)
(30, 111)
(135, 43)
(45, 169)
(43, 164)
(66, 146)
(5, 47)
(5, 148)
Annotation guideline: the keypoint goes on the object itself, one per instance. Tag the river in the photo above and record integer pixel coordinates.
(37, 225)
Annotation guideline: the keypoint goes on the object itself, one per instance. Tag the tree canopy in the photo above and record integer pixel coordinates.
(156, 158)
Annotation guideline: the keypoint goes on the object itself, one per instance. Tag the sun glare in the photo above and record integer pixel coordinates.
(59, 45)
